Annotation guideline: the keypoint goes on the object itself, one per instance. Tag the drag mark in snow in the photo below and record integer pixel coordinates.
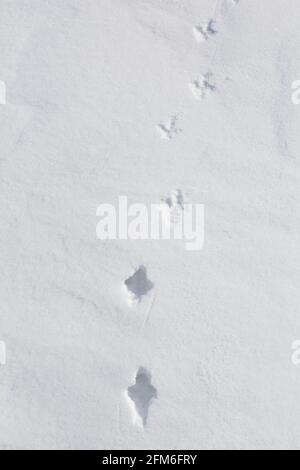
(204, 31)
(141, 395)
(169, 129)
(202, 87)
(137, 286)
(147, 317)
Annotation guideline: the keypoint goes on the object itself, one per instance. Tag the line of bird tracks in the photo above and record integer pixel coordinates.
(141, 393)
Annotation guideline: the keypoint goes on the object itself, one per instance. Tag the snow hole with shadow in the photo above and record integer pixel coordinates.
(138, 285)
(141, 395)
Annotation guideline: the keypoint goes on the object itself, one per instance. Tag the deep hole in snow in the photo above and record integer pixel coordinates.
(142, 394)
(138, 284)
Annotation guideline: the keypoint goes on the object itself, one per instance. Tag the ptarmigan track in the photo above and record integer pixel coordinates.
(142, 393)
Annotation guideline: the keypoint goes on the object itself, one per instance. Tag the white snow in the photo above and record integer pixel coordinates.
(91, 87)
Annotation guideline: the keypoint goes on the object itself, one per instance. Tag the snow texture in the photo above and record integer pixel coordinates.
(103, 98)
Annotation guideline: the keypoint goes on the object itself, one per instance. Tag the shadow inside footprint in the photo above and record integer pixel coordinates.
(175, 200)
(138, 285)
(204, 31)
(141, 394)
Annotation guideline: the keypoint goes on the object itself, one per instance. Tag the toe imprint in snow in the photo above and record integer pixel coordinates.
(169, 129)
(204, 31)
(140, 395)
(138, 285)
(202, 87)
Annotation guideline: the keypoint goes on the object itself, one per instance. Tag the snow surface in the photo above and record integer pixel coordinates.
(143, 98)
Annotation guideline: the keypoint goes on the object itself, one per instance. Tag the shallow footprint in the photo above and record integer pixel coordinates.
(176, 206)
(204, 31)
(169, 129)
(141, 395)
(202, 87)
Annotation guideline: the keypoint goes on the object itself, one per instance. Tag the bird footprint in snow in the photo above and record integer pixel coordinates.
(169, 129)
(202, 87)
(204, 31)
(141, 395)
(138, 285)
(176, 206)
